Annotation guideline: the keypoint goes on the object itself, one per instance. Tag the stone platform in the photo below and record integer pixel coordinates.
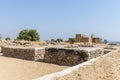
(23, 52)
(71, 56)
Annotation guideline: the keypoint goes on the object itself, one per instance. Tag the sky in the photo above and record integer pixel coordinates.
(61, 18)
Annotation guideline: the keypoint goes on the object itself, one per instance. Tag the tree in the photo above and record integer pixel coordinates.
(7, 38)
(23, 35)
(72, 40)
(59, 40)
(31, 35)
(53, 40)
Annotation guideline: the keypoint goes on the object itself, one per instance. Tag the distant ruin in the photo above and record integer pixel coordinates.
(85, 39)
(82, 38)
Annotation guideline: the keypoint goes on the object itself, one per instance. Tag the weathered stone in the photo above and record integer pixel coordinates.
(24, 53)
(71, 56)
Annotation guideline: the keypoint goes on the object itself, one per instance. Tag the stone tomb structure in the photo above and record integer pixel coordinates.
(71, 56)
(23, 52)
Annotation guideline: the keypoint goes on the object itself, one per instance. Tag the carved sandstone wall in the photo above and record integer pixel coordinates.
(71, 56)
(23, 53)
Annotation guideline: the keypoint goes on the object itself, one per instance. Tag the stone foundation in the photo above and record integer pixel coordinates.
(105, 67)
(71, 56)
(24, 53)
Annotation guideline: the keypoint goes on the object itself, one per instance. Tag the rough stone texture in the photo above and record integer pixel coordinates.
(23, 53)
(71, 56)
(39, 53)
(106, 67)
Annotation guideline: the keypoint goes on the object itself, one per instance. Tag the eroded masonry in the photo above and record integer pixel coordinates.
(71, 56)
(56, 55)
(23, 53)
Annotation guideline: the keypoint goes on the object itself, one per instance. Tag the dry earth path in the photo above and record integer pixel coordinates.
(18, 69)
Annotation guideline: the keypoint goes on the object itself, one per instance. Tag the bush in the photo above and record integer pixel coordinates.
(72, 40)
(30, 35)
(7, 38)
(53, 40)
(59, 40)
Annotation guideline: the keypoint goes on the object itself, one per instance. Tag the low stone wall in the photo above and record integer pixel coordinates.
(23, 53)
(71, 56)
(106, 67)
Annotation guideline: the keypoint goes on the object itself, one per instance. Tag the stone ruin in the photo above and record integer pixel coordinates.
(71, 56)
(91, 68)
(23, 53)
(68, 56)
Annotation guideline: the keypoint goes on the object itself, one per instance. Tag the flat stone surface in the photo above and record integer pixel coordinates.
(85, 48)
(79, 48)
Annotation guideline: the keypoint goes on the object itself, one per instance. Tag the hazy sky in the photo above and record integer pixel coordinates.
(61, 18)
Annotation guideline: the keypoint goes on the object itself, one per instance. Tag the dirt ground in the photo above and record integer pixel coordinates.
(106, 68)
(18, 69)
